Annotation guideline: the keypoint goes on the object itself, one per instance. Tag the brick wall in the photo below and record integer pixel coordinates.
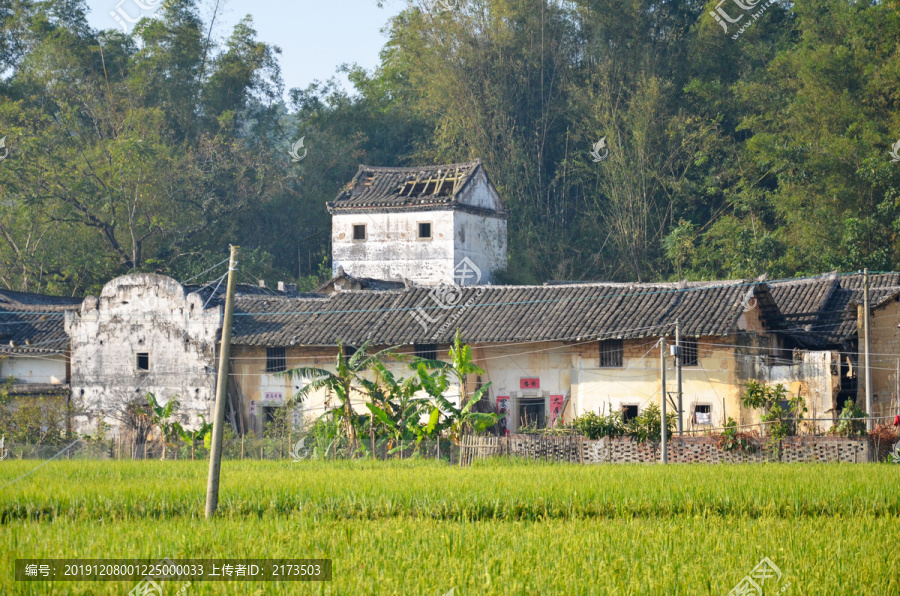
(704, 450)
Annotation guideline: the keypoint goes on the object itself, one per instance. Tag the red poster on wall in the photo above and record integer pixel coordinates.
(556, 405)
(503, 408)
(530, 383)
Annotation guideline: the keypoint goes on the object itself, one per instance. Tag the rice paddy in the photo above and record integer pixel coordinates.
(496, 528)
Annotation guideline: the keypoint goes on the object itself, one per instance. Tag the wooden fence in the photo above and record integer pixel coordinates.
(534, 447)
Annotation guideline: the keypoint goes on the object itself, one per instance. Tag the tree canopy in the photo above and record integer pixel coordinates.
(731, 154)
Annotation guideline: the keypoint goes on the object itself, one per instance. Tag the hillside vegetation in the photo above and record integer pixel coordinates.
(763, 149)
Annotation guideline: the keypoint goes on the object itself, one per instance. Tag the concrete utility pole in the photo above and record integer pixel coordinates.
(215, 456)
(869, 402)
(678, 376)
(662, 390)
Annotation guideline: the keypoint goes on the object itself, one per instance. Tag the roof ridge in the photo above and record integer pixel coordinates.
(367, 168)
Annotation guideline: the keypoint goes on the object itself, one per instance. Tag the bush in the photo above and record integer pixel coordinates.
(594, 426)
(782, 421)
(732, 440)
(847, 427)
(646, 426)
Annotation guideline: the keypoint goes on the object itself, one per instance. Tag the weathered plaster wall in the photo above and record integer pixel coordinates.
(713, 382)
(569, 370)
(392, 249)
(549, 362)
(884, 358)
(34, 368)
(483, 241)
(479, 192)
(816, 377)
(135, 314)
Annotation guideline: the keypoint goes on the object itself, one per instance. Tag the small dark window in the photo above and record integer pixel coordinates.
(689, 352)
(629, 413)
(349, 351)
(143, 361)
(359, 232)
(275, 360)
(611, 353)
(703, 414)
(425, 230)
(426, 351)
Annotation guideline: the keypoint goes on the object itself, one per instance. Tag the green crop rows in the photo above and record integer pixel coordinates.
(499, 528)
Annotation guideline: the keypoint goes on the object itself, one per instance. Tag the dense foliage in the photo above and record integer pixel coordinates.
(727, 157)
(647, 426)
(402, 412)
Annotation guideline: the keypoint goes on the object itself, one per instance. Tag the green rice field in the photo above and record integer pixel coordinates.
(499, 527)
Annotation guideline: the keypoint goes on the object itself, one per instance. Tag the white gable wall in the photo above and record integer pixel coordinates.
(483, 241)
(142, 313)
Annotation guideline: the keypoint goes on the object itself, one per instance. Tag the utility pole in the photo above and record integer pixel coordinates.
(869, 404)
(678, 376)
(662, 391)
(215, 456)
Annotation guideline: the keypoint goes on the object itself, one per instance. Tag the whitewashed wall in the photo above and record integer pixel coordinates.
(142, 313)
(34, 368)
(392, 249)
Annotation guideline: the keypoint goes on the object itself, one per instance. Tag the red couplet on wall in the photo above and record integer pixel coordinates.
(503, 408)
(556, 405)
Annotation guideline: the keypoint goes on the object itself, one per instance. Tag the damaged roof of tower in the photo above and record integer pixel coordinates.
(409, 189)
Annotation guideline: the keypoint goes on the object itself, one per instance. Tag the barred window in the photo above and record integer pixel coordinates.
(275, 360)
(426, 351)
(611, 353)
(689, 352)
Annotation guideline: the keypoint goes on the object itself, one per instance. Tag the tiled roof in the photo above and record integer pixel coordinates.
(214, 294)
(349, 282)
(498, 314)
(32, 323)
(819, 311)
(376, 188)
(839, 315)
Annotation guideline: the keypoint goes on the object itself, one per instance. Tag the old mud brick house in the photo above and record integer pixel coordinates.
(419, 224)
(414, 252)
(146, 333)
(548, 351)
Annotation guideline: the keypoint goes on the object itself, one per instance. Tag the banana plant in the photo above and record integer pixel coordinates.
(459, 419)
(348, 376)
(161, 416)
(396, 410)
(192, 436)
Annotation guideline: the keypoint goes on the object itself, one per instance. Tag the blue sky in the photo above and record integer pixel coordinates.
(315, 36)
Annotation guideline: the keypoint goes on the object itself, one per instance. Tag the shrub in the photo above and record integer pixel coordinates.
(847, 427)
(594, 426)
(782, 420)
(646, 426)
(732, 440)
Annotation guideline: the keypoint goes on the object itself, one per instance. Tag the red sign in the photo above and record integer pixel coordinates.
(556, 406)
(503, 408)
(529, 383)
